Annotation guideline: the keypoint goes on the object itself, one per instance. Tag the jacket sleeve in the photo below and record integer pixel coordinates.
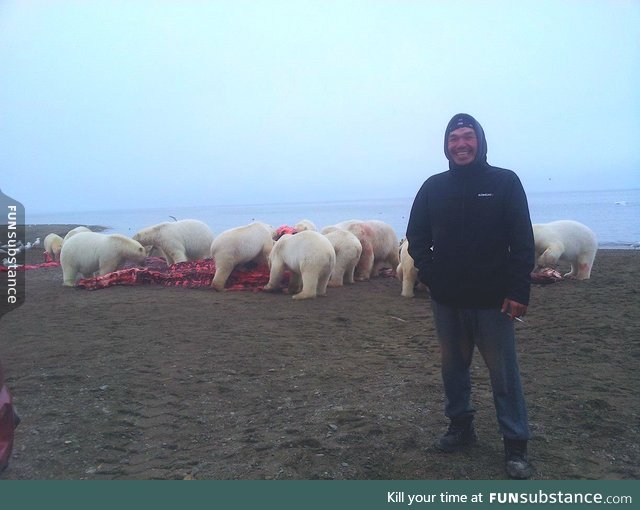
(521, 244)
(419, 235)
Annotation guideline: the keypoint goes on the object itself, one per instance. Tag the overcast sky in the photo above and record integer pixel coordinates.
(109, 104)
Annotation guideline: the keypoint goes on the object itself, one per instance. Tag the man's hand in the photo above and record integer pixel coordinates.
(513, 309)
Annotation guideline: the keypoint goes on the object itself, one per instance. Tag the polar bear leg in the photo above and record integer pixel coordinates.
(550, 256)
(349, 273)
(179, 257)
(323, 282)
(574, 271)
(107, 267)
(408, 284)
(337, 276)
(295, 283)
(275, 276)
(263, 258)
(309, 284)
(365, 265)
(223, 269)
(157, 251)
(174, 252)
(584, 263)
(584, 271)
(69, 275)
(377, 267)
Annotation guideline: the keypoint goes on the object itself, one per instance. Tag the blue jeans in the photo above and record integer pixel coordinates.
(459, 330)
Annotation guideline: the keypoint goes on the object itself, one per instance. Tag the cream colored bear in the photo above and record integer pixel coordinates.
(379, 246)
(178, 241)
(407, 273)
(240, 245)
(569, 241)
(303, 225)
(88, 252)
(309, 256)
(348, 250)
(75, 231)
(53, 245)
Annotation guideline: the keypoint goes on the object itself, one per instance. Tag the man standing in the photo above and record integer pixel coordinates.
(471, 239)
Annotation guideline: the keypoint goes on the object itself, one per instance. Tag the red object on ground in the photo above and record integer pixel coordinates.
(546, 275)
(48, 262)
(198, 273)
(8, 422)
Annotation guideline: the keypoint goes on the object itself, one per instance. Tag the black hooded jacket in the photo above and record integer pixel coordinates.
(470, 233)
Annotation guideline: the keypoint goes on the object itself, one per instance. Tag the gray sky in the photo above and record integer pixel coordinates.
(126, 104)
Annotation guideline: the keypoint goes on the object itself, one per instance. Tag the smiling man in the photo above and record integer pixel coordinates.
(462, 145)
(471, 239)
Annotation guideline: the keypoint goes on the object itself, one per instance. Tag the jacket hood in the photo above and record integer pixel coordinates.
(465, 120)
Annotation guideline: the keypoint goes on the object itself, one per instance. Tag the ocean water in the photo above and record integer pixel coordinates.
(613, 215)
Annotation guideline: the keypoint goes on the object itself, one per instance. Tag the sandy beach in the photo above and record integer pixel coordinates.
(151, 382)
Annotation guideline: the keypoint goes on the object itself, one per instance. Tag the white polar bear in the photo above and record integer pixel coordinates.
(407, 273)
(568, 241)
(240, 245)
(75, 231)
(303, 225)
(379, 246)
(88, 252)
(53, 245)
(309, 256)
(178, 241)
(348, 250)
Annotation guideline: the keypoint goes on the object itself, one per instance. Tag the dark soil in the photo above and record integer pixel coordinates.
(170, 383)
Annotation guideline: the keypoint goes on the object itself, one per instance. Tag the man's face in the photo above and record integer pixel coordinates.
(462, 146)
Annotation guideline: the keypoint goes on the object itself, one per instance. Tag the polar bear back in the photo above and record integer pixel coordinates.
(88, 252)
(303, 225)
(243, 244)
(345, 242)
(574, 238)
(82, 250)
(386, 241)
(193, 237)
(75, 231)
(378, 234)
(304, 249)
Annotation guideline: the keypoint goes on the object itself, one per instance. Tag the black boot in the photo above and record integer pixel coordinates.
(516, 461)
(460, 434)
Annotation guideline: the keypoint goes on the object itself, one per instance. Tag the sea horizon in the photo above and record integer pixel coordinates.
(612, 214)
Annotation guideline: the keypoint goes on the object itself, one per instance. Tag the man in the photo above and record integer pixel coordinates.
(471, 239)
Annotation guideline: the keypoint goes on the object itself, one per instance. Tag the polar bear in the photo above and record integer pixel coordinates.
(348, 250)
(178, 241)
(568, 241)
(303, 225)
(407, 273)
(379, 246)
(75, 231)
(53, 245)
(309, 256)
(88, 252)
(240, 245)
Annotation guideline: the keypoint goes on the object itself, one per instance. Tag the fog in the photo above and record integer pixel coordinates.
(118, 105)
